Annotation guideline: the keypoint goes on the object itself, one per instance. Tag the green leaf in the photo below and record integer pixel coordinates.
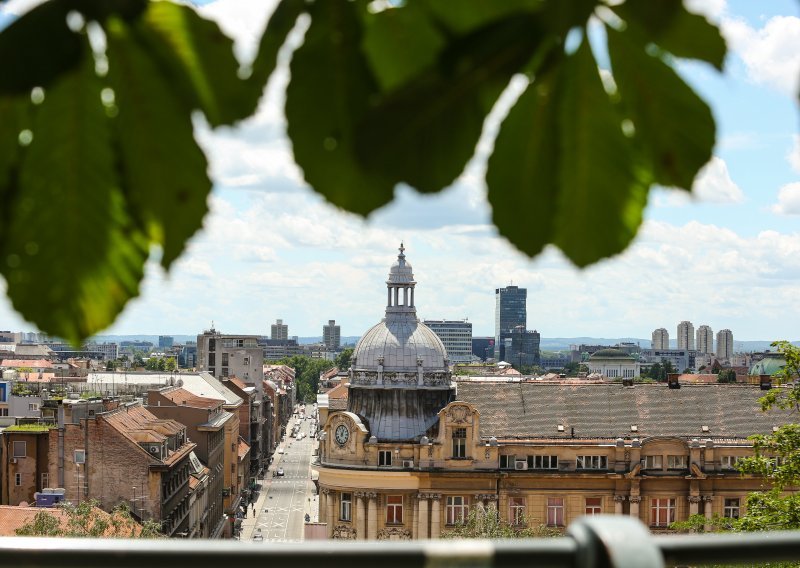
(280, 24)
(399, 43)
(600, 197)
(425, 132)
(522, 172)
(654, 95)
(163, 169)
(71, 256)
(197, 57)
(676, 30)
(28, 60)
(330, 88)
(468, 15)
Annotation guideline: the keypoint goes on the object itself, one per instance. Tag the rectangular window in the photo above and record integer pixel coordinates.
(385, 458)
(728, 462)
(555, 511)
(224, 359)
(345, 506)
(677, 462)
(516, 509)
(33, 406)
(507, 461)
(459, 442)
(456, 509)
(80, 456)
(17, 479)
(731, 509)
(394, 509)
(543, 462)
(653, 462)
(594, 505)
(212, 359)
(20, 450)
(246, 361)
(45, 480)
(3, 411)
(224, 371)
(662, 512)
(591, 462)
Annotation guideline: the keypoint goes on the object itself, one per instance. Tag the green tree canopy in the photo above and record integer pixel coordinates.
(376, 98)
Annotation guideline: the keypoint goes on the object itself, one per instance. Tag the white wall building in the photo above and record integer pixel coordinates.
(456, 335)
(614, 364)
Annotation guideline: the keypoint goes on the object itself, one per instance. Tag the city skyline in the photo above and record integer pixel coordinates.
(273, 249)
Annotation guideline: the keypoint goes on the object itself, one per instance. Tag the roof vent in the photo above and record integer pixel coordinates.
(560, 427)
(634, 428)
(704, 428)
(766, 382)
(672, 381)
(775, 428)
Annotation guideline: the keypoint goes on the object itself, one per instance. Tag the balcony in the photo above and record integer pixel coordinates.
(590, 542)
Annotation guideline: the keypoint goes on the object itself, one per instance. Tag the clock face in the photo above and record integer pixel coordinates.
(342, 434)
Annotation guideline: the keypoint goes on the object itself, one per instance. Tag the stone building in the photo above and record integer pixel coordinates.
(413, 451)
(614, 364)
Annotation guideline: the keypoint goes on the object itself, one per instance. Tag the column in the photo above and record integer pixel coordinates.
(436, 517)
(708, 502)
(694, 504)
(412, 297)
(414, 515)
(323, 505)
(331, 513)
(618, 501)
(422, 517)
(635, 500)
(361, 517)
(372, 516)
(388, 296)
(405, 296)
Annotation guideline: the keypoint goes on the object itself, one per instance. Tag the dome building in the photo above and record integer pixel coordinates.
(414, 449)
(399, 374)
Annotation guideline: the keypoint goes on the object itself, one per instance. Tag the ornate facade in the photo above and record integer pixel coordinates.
(415, 450)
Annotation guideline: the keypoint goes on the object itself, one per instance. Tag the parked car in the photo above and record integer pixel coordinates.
(257, 536)
(280, 472)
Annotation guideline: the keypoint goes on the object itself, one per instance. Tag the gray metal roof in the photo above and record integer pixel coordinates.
(400, 340)
(534, 410)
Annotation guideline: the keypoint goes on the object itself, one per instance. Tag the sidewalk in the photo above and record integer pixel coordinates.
(249, 522)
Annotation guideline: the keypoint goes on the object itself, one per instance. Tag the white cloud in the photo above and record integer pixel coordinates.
(788, 200)
(794, 154)
(711, 9)
(714, 184)
(770, 53)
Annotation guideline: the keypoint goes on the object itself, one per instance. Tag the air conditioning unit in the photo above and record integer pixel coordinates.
(408, 463)
(13, 460)
(521, 465)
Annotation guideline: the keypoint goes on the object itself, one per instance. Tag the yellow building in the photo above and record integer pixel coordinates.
(414, 450)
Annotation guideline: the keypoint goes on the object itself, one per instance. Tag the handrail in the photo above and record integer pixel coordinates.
(591, 542)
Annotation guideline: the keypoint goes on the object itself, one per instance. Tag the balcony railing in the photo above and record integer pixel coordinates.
(591, 542)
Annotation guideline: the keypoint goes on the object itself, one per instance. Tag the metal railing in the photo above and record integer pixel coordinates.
(591, 542)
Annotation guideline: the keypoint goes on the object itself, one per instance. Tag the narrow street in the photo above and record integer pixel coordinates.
(285, 499)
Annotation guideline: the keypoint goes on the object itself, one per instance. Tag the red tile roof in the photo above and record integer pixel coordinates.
(183, 397)
(13, 518)
(244, 449)
(38, 363)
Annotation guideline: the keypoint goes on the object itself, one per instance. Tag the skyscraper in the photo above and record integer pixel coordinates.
(660, 339)
(725, 344)
(332, 335)
(705, 339)
(686, 335)
(279, 330)
(510, 312)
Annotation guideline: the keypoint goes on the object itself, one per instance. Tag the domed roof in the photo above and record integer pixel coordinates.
(769, 365)
(400, 342)
(401, 272)
(610, 354)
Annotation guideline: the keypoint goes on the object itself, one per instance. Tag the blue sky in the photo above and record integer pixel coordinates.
(271, 248)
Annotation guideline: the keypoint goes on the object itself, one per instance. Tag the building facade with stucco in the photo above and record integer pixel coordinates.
(413, 451)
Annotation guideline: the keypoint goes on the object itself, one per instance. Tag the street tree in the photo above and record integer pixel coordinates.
(377, 97)
(85, 519)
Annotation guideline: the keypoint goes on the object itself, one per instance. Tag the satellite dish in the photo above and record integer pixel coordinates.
(179, 383)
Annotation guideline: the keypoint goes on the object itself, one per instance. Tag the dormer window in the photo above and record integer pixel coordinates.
(459, 442)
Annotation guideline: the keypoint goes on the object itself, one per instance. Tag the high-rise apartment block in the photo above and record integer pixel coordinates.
(725, 344)
(231, 356)
(456, 337)
(686, 335)
(165, 341)
(279, 330)
(331, 335)
(705, 339)
(660, 339)
(510, 313)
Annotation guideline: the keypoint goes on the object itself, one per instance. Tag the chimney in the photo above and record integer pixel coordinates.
(765, 381)
(672, 381)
